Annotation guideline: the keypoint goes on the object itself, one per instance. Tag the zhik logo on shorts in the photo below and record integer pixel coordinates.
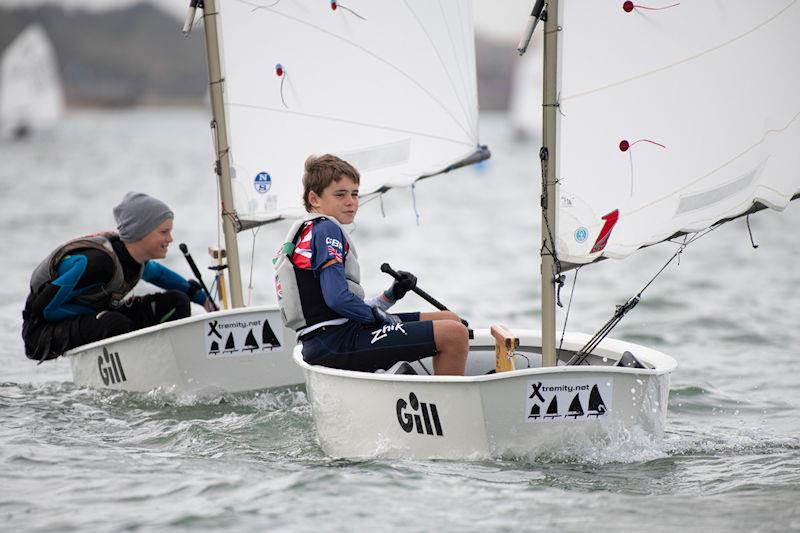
(383, 332)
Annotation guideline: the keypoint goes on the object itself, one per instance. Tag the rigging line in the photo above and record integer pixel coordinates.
(750, 231)
(374, 56)
(350, 10)
(275, 3)
(441, 60)
(414, 200)
(621, 310)
(685, 60)
(217, 214)
(469, 143)
(569, 306)
(467, 45)
(252, 262)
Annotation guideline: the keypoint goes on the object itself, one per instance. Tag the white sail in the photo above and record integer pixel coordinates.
(706, 96)
(525, 103)
(31, 94)
(388, 86)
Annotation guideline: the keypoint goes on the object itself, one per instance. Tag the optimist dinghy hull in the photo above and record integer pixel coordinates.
(225, 351)
(518, 413)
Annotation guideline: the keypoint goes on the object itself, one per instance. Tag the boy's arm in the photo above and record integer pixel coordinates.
(76, 274)
(327, 262)
(163, 277)
(338, 297)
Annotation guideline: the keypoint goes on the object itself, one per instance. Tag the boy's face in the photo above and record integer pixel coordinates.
(338, 200)
(154, 245)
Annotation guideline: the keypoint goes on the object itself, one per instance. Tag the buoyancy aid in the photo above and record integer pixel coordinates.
(299, 292)
(100, 298)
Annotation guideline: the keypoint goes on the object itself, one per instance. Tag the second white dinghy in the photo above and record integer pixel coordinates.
(224, 351)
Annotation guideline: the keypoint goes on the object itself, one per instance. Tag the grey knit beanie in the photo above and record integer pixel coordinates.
(138, 214)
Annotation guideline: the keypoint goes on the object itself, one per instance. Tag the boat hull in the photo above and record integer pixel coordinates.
(509, 414)
(225, 351)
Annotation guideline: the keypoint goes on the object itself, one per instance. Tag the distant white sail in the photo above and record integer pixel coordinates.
(31, 93)
(388, 86)
(525, 104)
(705, 96)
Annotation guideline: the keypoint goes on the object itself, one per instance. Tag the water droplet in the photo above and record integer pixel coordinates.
(633, 391)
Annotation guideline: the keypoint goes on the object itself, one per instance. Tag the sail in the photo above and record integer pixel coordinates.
(388, 86)
(672, 119)
(31, 94)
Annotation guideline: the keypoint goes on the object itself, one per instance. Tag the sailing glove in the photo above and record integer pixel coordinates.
(405, 282)
(195, 292)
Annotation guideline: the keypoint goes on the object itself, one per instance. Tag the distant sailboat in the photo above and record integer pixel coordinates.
(31, 92)
(525, 100)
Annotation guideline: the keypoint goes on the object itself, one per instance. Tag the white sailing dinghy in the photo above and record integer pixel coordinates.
(231, 350)
(31, 93)
(359, 95)
(657, 124)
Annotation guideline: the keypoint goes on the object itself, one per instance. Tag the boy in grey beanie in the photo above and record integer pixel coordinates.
(78, 291)
(138, 214)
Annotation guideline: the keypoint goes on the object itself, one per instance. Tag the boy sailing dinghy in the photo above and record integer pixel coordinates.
(649, 134)
(287, 81)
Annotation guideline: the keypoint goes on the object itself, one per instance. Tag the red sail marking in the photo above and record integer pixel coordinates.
(602, 239)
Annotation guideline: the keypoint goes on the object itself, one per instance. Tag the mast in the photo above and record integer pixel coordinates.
(223, 150)
(549, 199)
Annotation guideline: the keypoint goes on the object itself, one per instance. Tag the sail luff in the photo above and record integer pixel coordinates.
(216, 82)
(549, 184)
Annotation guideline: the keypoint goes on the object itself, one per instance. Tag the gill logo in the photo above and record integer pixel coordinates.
(110, 368)
(409, 420)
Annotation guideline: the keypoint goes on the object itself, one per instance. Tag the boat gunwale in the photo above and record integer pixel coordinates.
(663, 363)
(78, 350)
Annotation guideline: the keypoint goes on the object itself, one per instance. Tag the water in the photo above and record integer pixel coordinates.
(80, 459)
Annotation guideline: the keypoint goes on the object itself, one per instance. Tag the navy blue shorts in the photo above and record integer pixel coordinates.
(354, 346)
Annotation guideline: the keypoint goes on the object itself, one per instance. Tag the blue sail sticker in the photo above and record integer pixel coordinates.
(262, 182)
(581, 234)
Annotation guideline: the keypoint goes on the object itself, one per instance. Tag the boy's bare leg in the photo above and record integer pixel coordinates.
(452, 345)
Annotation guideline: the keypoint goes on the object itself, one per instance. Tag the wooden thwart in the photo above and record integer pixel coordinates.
(505, 343)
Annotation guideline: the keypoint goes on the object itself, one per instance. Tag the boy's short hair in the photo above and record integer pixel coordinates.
(321, 171)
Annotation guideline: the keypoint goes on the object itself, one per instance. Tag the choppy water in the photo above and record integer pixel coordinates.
(79, 459)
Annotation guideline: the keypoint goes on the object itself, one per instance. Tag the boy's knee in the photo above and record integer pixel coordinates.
(179, 301)
(111, 323)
